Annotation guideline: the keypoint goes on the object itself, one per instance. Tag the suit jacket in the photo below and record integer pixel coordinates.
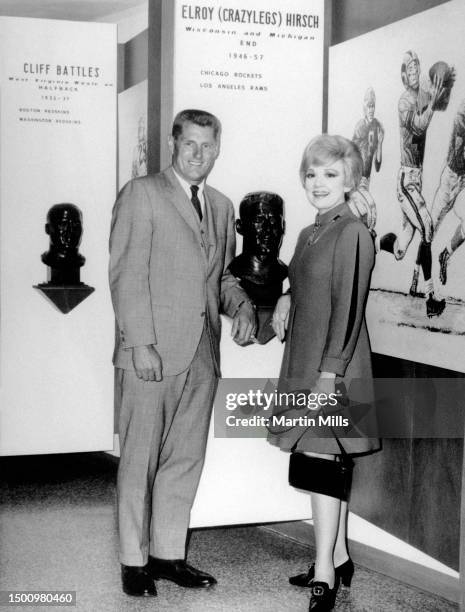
(168, 272)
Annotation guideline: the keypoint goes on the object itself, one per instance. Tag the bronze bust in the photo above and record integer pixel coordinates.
(261, 273)
(64, 288)
(64, 226)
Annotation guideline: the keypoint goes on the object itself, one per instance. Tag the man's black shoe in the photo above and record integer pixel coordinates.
(136, 581)
(180, 572)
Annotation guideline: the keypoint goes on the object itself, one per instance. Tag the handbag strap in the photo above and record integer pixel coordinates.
(346, 458)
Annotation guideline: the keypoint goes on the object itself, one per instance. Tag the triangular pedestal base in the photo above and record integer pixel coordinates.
(65, 298)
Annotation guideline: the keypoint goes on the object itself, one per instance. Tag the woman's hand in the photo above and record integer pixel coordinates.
(281, 316)
(326, 383)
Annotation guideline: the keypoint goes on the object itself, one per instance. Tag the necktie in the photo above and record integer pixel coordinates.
(195, 200)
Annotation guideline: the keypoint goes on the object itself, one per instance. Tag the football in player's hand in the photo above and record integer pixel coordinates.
(446, 74)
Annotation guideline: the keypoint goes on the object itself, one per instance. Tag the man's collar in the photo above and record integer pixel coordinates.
(187, 187)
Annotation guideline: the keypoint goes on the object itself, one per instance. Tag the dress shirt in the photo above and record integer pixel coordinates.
(187, 188)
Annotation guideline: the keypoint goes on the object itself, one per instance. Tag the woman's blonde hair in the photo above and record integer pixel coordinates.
(327, 149)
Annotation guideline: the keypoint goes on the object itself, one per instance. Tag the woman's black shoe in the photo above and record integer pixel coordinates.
(345, 571)
(323, 598)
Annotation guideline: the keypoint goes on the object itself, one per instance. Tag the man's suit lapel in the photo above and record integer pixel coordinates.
(180, 201)
(211, 222)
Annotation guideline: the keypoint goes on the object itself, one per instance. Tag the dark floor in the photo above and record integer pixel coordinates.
(57, 532)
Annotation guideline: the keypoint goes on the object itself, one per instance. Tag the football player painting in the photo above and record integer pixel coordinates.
(451, 183)
(416, 108)
(368, 136)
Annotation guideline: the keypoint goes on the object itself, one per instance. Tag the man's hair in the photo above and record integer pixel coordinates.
(327, 149)
(198, 117)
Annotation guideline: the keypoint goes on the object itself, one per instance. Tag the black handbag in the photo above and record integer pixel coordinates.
(333, 478)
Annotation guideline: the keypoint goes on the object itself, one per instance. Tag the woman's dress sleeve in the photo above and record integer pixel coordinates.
(353, 261)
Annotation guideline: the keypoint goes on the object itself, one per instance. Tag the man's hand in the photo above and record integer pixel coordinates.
(281, 316)
(147, 363)
(244, 324)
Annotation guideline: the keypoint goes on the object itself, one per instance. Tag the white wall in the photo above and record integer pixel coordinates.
(130, 22)
(56, 378)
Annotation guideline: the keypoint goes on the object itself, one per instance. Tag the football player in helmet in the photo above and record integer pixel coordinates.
(416, 108)
(368, 136)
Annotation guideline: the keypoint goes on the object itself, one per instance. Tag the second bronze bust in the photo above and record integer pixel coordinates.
(260, 271)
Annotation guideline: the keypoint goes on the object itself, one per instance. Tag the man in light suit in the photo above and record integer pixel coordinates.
(172, 239)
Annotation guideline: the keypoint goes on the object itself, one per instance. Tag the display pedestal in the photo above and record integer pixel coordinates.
(65, 298)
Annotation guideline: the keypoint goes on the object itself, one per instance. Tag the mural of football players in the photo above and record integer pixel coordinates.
(415, 110)
(368, 136)
(451, 183)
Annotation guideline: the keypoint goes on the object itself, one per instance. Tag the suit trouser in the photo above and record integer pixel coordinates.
(163, 430)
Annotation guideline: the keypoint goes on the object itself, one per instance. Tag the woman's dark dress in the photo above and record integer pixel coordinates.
(329, 277)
